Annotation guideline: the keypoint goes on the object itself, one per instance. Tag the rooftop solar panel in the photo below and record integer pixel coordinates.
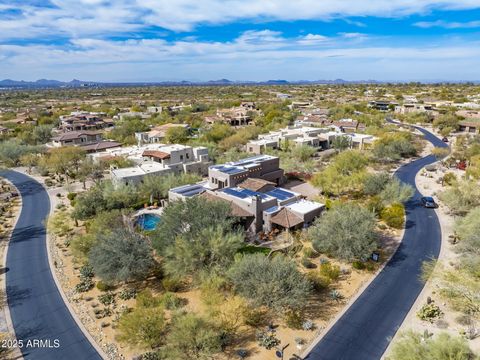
(280, 194)
(272, 209)
(193, 192)
(232, 170)
(253, 193)
(235, 193)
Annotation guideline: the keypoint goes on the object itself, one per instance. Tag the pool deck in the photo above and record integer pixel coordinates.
(155, 211)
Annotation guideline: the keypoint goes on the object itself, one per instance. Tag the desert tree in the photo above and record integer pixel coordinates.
(272, 282)
(346, 232)
(121, 255)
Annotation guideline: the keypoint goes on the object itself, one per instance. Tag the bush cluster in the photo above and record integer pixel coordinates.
(394, 215)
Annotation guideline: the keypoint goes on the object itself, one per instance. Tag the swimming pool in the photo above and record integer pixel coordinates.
(148, 222)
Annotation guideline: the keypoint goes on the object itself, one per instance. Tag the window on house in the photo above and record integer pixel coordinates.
(181, 157)
(187, 156)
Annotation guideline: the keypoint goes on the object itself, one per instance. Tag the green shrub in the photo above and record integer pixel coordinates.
(442, 346)
(255, 317)
(107, 298)
(103, 286)
(310, 253)
(152, 355)
(394, 215)
(449, 178)
(71, 196)
(86, 272)
(146, 299)
(294, 319)
(267, 340)
(84, 285)
(126, 294)
(375, 204)
(429, 312)
(171, 284)
(331, 272)
(358, 265)
(172, 301)
(318, 282)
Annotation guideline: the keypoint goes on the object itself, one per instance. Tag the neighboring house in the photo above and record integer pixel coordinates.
(157, 134)
(235, 116)
(469, 126)
(133, 114)
(90, 141)
(78, 121)
(296, 135)
(380, 105)
(76, 138)
(415, 108)
(158, 160)
(412, 99)
(101, 146)
(300, 105)
(471, 122)
(316, 137)
(361, 141)
(349, 125)
(175, 109)
(265, 167)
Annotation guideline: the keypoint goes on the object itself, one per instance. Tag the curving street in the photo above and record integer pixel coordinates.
(367, 327)
(37, 309)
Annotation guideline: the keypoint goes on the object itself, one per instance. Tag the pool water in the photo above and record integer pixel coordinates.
(148, 222)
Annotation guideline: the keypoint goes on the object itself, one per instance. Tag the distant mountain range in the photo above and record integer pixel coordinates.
(45, 83)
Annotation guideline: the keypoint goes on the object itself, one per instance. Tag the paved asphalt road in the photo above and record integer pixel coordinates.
(36, 306)
(365, 330)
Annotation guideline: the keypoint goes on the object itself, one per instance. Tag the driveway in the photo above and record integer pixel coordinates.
(39, 315)
(367, 327)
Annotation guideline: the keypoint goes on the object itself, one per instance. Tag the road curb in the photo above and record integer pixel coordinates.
(352, 300)
(441, 253)
(72, 312)
(6, 309)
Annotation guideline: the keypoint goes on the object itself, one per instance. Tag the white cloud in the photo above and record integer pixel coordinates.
(260, 37)
(100, 18)
(253, 55)
(85, 25)
(183, 15)
(312, 39)
(448, 25)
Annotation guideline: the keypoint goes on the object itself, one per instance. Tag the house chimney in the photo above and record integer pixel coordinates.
(257, 210)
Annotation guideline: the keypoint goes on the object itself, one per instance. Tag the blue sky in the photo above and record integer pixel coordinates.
(157, 40)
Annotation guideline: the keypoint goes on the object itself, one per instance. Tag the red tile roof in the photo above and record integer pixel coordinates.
(156, 154)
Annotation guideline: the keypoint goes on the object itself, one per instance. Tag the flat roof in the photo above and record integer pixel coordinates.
(228, 169)
(281, 194)
(244, 193)
(250, 159)
(142, 169)
(304, 206)
(190, 190)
